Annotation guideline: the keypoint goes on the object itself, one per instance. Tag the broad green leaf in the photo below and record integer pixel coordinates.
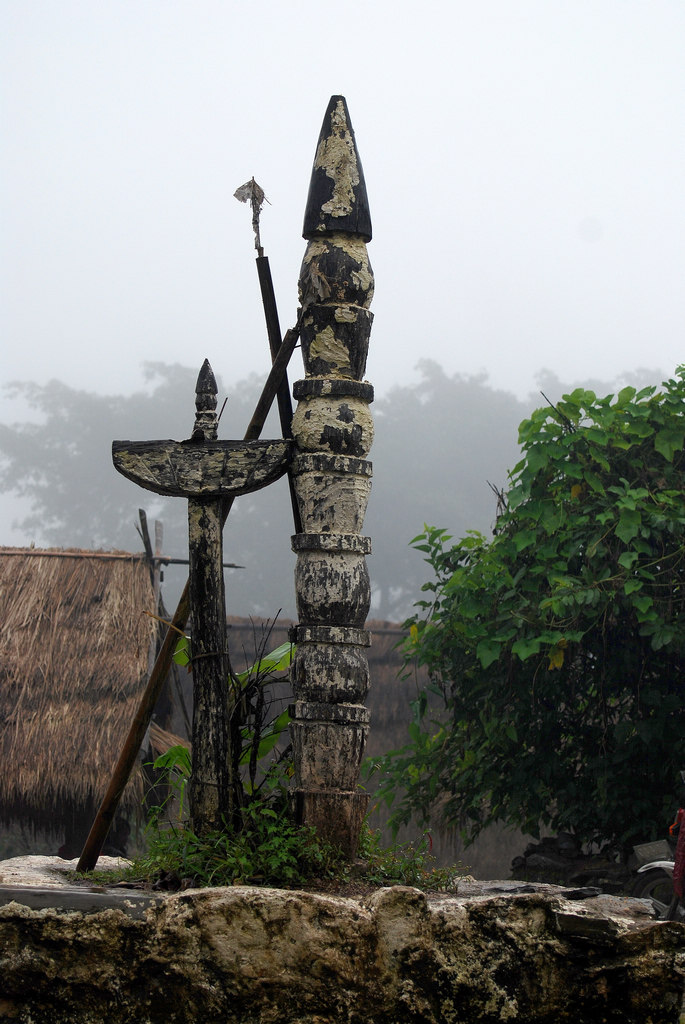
(523, 539)
(525, 648)
(669, 441)
(593, 481)
(646, 613)
(537, 458)
(277, 661)
(182, 653)
(597, 435)
(175, 758)
(269, 738)
(624, 396)
(662, 637)
(488, 651)
(628, 525)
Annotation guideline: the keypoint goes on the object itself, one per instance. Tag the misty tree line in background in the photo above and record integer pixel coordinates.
(439, 442)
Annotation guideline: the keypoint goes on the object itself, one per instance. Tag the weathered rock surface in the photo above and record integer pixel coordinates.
(255, 956)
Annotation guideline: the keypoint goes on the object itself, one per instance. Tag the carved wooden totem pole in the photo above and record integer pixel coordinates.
(333, 432)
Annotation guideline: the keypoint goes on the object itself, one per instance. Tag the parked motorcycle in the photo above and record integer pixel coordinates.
(661, 875)
(655, 882)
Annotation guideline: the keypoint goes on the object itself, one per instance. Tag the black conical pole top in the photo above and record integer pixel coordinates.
(206, 381)
(337, 199)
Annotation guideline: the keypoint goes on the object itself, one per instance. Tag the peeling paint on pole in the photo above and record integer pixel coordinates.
(333, 432)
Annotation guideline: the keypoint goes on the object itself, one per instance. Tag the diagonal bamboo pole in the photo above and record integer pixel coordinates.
(127, 759)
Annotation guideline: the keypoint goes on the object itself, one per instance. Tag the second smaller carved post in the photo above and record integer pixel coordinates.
(213, 788)
(209, 473)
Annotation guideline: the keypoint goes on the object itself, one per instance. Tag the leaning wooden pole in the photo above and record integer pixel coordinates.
(273, 330)
(253, 194)
(333, 431)
(129, 753)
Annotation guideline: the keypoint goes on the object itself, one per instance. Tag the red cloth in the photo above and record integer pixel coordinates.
(679, 866)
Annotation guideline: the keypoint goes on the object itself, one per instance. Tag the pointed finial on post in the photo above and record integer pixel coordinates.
(336, 271)
(337, 200)
(206, 420)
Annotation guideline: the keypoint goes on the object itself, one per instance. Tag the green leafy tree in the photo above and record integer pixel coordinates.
(555, 649)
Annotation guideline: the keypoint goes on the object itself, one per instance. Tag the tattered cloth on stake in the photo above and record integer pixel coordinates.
(253, 194)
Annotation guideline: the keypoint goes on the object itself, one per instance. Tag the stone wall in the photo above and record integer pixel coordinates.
(492, 953)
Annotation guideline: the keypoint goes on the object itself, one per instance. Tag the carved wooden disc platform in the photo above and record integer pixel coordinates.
(202, 469)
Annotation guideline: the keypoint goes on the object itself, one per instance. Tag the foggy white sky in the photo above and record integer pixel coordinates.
(524, 160)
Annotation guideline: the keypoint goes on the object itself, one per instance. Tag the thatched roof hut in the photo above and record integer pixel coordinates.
(74, 645)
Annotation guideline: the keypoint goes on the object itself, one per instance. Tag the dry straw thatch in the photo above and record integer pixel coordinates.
(74, 643)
